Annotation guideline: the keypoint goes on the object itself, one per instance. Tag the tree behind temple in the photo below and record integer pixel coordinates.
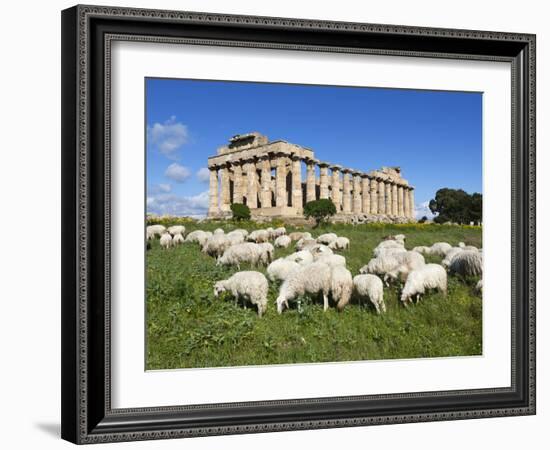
(320, 210)
(456, 205)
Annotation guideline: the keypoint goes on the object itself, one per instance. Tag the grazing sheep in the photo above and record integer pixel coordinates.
(219, 231)
(240, 230)
(471, 247)
(423, 250)
(388, 251)
(394, 267)
(450, 255)
(246, 252)
(388, 247)
(440, 249)
(196, 236)
(266, 252)
(277, 232)
(216, 245)
(154, 230)
(258, 236)
(283, 241)
(296, 235)
(166, 240)
(235, 238)
(370, 287)
(318, 250)
(270, 231)
(399, 237)
(430, 276)
(380, 265)
(177, 239)
(248, 285)
(467, 263)
(341, 243)
(281, 268)
(303, 257)
(176, 229)
(327, 238)
(304, 242)
(311, 279)
(341, 286)
(461, 245)
(332, 260)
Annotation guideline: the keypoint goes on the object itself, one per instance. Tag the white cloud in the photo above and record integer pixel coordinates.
(168, 137)
(175, 205)
(203, 175)
(423, 209)
(159, 188)
(177, 172)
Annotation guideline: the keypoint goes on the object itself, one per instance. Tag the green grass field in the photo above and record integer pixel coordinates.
(188, 327)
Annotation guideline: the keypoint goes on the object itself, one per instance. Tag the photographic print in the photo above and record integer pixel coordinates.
(295, 224)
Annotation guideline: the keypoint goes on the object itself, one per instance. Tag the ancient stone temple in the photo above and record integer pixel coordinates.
(276, 179)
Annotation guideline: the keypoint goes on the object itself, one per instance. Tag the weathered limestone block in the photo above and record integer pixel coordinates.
(251, 184)
(265, 195)
(373, 196)
(225, 191)
(213, 209)
(281, 198)
(387, 186)
(335, 186)
(237, 183)
(411, 203)
(400, 203)
(406, 206)
(357, 203)
(310, 181)
(323, 180)
(297, 198)
(346, 201)
(394, 202)
(381, 197)
(366, 194)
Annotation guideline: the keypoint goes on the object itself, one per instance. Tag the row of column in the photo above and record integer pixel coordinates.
(351, 191)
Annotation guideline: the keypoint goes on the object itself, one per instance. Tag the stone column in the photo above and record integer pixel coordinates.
(265, 196)
(237, 183)
(323, 180)
(336, 197)
(357, 204)
(373, 196)
(297, 197)
(281, 198)
(213, 209)
(310, 180)
(406, 206)
(366, 194)
(411, 203)
(400, 205)
(381, 197)
(346, 201)
(225, 191)
(387, 185)
(394, 203)
(251, 184)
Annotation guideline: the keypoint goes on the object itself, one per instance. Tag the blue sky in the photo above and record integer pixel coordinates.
(434, 136)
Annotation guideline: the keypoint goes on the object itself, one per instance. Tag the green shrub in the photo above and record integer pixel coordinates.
(240, 211)
(320, 210)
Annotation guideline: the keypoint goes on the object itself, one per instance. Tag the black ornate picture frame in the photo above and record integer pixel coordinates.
(87, 34)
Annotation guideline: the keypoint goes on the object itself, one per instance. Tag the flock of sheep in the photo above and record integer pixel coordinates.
(314, 269)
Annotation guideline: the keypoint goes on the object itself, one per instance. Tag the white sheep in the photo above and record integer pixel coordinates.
(277, 232)
(304, 242)
(154, 230)
(341, 243)
(176, 229)
(408, 261)
(219, 231)
(318, 250)
(196, 236)
(479, 286)
(303, 257)
(467, 263)
(240, 230)
(235, 238)
(166, 240)
(283, 241)
(327, 238)
(177, 239)
(380, 265)
(422, 249)
(440, 249)
(388, 251)
(446, 262)
(246, 252)
(370, 287)
(429, 276)
(313, 279)
(281, 268)
(216, 245)
(296, 235)
(258, 236)
(266, 252)
(270, 232)
(341, 286)
(388, 247)
(332, 260)
(248, 285)
(471, 247)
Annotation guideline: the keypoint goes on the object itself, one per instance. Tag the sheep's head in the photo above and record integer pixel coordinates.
(282, 303)
(218, 288)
